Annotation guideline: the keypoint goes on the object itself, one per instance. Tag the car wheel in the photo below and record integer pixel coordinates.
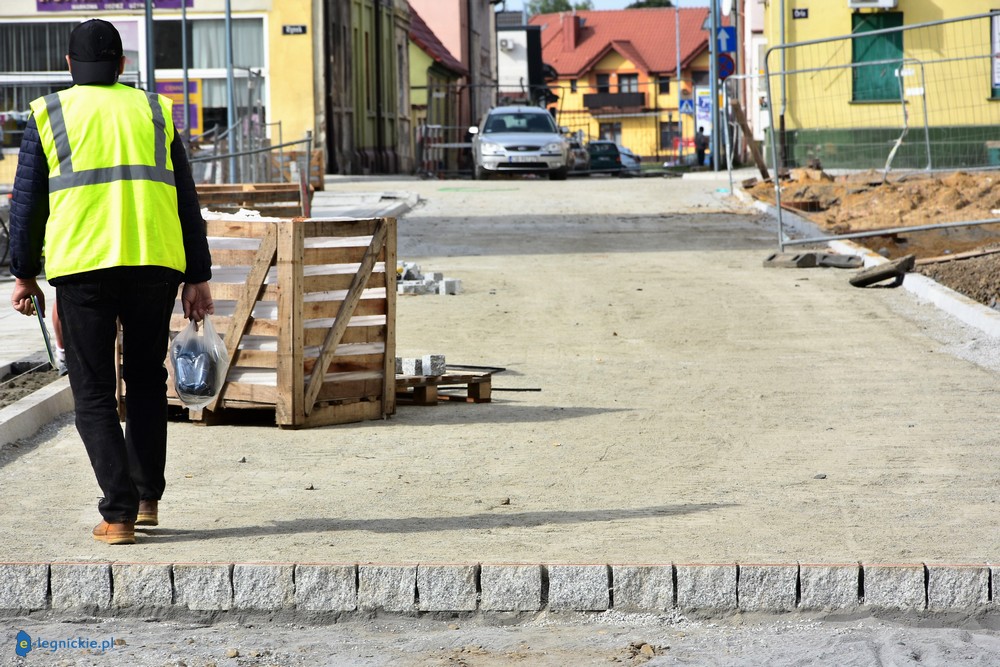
(558, 174)
(480, 174)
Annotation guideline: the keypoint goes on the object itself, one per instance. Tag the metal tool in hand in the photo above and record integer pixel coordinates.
(45, 333)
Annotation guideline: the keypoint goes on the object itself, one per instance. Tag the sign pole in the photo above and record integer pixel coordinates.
(680, 116)
(714, 75)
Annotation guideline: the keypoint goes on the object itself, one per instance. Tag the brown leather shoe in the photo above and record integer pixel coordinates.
(115, 533)
(147, 514)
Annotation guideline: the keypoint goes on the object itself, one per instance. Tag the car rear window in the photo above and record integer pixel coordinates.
(520, 122)
(603, 148)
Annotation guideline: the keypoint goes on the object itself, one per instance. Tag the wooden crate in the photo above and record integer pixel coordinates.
(307, 310)
(279, 200)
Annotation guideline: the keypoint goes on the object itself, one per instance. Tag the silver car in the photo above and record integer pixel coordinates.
(519, 140)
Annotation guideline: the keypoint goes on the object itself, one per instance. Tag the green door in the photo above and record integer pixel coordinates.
(877, 82)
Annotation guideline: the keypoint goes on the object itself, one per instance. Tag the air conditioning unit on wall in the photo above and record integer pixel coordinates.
(872, 4)
(506, 45)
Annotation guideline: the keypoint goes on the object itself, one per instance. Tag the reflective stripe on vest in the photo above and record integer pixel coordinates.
(68, 178)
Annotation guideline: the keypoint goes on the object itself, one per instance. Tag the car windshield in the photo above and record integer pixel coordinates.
(520, 122)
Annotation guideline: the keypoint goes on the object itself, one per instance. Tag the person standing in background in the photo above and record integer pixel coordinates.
(700, 145)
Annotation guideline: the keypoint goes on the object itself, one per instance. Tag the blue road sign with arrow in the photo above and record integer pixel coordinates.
(726, 39)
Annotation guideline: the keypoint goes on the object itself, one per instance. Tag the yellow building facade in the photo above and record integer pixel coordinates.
(914, 84)
(273, 57)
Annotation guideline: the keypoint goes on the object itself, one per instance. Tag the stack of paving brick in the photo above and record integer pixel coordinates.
(413, 588)
(429, 364)
(412, 281)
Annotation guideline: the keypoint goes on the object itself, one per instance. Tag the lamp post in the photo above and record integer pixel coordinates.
(150, 51)
(184, 67)
(230, 95)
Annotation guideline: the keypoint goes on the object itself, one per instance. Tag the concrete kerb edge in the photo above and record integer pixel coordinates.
(25, 417)
(459, 587)
(953, 303)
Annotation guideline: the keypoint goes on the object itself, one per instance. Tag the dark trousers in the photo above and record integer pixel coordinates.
(128, 466)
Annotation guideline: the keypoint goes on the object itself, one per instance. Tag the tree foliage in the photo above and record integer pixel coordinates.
(553, 6)
(643, 4)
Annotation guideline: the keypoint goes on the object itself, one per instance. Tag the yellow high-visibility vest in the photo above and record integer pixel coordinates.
(112, 197)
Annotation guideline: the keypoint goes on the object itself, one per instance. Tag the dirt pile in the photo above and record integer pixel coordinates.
(15, 386)
(866, 201)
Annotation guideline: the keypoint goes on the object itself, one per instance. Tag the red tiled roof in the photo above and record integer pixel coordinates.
(644, 36)
(424, 37)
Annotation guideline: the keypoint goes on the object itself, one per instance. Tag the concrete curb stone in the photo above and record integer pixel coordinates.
(506, 588)
(80, 585)
(447, 587)
(511, 587)
(326, 587)
(643, 587)
(579, 588)
(137, 585)
(894, 586)
(827, 587)
(957, 587)
(24, 586)
(263, 587)
(204, 587)
(387, 587)
(706, 587)
(767, 587)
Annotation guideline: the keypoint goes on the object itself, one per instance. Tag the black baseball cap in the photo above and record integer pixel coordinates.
(95, 51)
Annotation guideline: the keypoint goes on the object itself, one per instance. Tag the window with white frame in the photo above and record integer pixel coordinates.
(206, 59)
(628, 83)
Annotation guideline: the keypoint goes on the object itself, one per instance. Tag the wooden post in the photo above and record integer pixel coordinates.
(389, 372)
(741, 118)
(290, 372)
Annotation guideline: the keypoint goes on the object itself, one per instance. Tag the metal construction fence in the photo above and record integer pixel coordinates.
(923, 97)
(644, 119)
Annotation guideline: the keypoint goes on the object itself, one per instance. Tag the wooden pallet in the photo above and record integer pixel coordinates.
(424, 389)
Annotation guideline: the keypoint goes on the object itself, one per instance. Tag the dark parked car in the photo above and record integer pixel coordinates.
(605, 158)
(610, 158)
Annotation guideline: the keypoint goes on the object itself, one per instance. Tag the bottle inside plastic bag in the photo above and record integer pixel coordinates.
(200, 364)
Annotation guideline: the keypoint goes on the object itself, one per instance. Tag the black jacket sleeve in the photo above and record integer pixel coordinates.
(199, 258)
(29, 208)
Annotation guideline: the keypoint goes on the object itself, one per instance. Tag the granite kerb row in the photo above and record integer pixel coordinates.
(503, 587)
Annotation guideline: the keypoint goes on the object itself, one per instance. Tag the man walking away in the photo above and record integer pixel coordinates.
(104, 190)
